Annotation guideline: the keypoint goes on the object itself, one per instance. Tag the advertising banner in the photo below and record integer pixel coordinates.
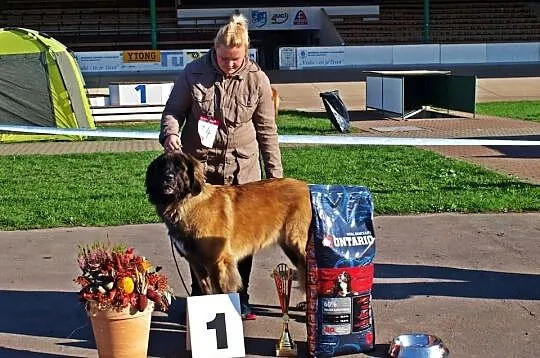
(140, 61)
(287, 18)
(119, 61)
(287, 58)
(263, 18)
(307, 57)
(142, 56)
(304, 18)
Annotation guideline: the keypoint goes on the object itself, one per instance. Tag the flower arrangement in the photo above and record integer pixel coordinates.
(114, 277)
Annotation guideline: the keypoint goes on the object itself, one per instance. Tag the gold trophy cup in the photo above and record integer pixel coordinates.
(283, 275)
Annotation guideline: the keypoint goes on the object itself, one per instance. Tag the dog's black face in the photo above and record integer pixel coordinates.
(171, 177)
(344, 277)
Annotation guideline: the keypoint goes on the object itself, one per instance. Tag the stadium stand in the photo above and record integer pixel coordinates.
(93, 25)
(484, 21)
(398, 23)
(104, 25)
(402, 21)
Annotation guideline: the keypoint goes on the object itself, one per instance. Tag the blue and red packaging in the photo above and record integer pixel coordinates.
(340, 254)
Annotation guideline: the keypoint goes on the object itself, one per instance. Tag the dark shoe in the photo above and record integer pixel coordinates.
(247, 314)
(196, 290)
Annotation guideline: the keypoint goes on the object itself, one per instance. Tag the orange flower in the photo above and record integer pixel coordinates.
(116, 278)
(126, 284)
(145, 266)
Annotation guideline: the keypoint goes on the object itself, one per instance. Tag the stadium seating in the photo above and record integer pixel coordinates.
(484, 21)
(451, 21)
(87, 25)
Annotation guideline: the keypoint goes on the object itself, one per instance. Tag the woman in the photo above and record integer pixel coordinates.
(221, 111)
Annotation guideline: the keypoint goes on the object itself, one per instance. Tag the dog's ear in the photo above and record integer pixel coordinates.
(151, 182)
(196, 174)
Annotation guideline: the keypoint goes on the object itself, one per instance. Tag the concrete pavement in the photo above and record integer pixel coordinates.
(473, 280)
(305, 96)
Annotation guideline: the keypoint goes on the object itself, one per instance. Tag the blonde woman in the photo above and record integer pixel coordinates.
(221, 111)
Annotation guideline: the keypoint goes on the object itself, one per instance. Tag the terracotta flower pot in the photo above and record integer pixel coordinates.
(123, 334)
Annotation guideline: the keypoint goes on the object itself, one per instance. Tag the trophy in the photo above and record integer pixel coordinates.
(283, 275)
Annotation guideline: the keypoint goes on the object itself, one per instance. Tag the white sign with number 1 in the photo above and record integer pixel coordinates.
(214, 326)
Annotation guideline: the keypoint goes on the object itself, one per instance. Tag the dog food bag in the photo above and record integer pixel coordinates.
(340, 255)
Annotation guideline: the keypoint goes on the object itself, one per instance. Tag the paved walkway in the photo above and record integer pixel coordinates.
(473, 280)
(522, 162)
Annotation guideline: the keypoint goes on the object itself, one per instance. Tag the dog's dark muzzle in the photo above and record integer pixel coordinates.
(169, 184)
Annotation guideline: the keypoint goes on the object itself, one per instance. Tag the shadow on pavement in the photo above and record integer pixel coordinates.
(354, 115)
(20, 353)
(524, 152)
(463, 283)
(60, 315)
(275, 311)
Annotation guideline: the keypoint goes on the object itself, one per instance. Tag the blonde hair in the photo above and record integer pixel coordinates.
(234, 33)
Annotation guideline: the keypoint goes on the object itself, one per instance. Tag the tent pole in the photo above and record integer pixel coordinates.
(153, 23)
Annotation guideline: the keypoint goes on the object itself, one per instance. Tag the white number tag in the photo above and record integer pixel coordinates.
(208, 127)
(214, 326)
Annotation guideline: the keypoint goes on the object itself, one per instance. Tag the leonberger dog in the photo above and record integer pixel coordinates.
(215, 226)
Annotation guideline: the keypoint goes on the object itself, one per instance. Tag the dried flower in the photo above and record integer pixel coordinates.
(114, 277)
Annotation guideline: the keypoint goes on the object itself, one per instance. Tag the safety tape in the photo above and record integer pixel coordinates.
(283, 139)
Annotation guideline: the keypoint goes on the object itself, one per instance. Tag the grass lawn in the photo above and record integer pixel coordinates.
(288, 122)
(528, 110)
(296, 122)
(102, 189)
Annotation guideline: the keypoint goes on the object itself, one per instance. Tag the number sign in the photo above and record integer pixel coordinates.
(214, 326)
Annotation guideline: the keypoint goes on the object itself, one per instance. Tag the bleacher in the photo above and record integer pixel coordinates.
(484, 21)
(399, 22)
(451, 21)
(90, 25)
(104, 25)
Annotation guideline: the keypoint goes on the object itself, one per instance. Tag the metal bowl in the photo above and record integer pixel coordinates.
(417, 345)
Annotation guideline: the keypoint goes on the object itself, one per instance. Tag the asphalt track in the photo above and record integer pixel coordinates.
(473, 280)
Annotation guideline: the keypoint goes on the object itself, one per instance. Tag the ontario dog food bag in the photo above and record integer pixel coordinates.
(340, 256)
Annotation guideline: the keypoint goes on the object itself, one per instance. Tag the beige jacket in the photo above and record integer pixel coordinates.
(242, 103)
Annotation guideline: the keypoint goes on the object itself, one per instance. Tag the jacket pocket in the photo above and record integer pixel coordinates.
(243, 154)
(248, 169)
(247, 102)
(203, 100)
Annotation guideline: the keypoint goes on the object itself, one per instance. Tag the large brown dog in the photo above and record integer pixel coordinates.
(215, 226)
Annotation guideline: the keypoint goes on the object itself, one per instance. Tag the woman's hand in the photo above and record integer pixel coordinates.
(172, 143)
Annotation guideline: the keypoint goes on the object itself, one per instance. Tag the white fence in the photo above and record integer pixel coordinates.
(298, 58)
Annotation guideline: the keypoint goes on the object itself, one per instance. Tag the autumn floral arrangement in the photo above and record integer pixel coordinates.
(114, 277)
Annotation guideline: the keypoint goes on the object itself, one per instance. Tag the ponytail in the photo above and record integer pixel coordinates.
(234, 33)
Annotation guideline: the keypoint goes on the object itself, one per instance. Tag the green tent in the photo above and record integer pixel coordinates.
(40, 85)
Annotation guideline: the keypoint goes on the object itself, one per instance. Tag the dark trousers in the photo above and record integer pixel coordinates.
(244, 267)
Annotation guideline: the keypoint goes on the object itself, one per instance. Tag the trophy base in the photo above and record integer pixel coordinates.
(286, 351)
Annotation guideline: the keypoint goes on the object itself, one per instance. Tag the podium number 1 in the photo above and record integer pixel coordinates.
(215, 318)
(218, 323)
(142, 89)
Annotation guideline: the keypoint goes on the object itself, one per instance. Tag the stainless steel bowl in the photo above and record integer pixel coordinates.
(417, 345)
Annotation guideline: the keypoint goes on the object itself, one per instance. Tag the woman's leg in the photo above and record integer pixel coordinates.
(244, 267)
(195, 287)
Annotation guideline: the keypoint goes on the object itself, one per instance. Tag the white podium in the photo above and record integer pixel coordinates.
(130, 94)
